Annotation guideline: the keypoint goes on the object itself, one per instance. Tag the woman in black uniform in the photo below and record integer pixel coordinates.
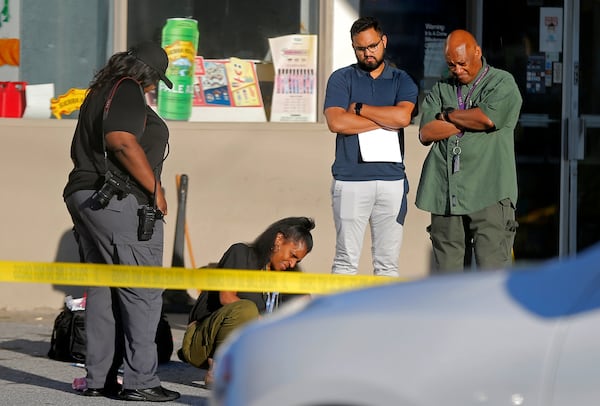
(116, 201)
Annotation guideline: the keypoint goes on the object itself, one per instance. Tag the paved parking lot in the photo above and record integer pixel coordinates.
(28, 377)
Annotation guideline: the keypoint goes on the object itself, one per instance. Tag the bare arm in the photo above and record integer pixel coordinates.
(472, 119)
(229, 297)
(371, 117)
(437, 130)
(453, 123)
(343, 122)
(130, 153)
(226, 297)
(388, 117)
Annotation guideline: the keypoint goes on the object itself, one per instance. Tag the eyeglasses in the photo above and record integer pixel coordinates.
(370, 48)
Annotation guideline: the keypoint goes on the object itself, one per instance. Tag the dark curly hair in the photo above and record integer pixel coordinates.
(296, 229)
(124, 64)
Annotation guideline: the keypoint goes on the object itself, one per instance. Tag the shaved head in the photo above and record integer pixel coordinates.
(460, 38)
(463, 55)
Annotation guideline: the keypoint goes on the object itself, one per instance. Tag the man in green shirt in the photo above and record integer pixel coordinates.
(469, 181)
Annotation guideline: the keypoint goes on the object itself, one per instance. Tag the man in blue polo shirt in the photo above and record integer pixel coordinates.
(368, 104)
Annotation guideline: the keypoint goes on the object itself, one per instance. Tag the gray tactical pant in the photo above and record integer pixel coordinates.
(120, 322)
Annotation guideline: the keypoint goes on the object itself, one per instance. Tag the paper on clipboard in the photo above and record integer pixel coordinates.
(379, 146)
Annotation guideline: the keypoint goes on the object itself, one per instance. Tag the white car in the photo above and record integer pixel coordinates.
(522, 337)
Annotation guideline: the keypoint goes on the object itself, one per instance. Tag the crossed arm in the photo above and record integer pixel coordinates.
(447, 125)
(371, 117)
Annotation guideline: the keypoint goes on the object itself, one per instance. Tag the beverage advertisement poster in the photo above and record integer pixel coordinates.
(294, 90)
(180, 42)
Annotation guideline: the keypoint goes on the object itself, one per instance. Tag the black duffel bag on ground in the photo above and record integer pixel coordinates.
(68, 337)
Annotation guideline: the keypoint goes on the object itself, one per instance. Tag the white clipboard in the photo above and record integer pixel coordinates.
(379, 146)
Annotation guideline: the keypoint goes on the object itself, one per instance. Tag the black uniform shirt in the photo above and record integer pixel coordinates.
(127, 112)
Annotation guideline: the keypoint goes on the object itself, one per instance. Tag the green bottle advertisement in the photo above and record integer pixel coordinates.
(180, 42)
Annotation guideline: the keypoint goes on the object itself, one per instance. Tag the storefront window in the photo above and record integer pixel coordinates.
(229, 28)
(63, 42)
(416, 33)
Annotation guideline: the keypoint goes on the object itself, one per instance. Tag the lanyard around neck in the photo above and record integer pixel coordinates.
(462, 104)
(272, 301)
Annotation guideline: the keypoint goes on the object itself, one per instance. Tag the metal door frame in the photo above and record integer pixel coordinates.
(571, 145)
(571, 135)
(575, 126)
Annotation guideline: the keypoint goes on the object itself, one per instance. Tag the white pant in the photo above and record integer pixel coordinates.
(383, 205)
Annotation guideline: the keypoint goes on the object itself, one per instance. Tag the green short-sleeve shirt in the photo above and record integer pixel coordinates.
(487, 160)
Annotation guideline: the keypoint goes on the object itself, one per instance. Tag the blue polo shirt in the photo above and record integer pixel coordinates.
(352, 84)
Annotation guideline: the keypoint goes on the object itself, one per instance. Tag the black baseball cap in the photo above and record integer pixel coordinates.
(154, 56)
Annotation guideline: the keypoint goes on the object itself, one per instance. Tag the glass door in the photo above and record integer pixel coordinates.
(583, 167)
(526, 40)
(551, 48)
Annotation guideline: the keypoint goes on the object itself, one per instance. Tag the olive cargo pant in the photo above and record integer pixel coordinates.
(489, 233)
(201, 339)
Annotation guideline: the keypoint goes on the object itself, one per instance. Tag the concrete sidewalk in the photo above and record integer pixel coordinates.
(28, 377)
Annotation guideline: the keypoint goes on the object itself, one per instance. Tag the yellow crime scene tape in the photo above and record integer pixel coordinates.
(60, 273)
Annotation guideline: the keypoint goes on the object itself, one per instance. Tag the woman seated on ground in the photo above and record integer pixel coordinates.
(216, 314)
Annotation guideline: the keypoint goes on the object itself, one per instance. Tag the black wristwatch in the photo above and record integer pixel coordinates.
(446, 112)
(357, 108)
